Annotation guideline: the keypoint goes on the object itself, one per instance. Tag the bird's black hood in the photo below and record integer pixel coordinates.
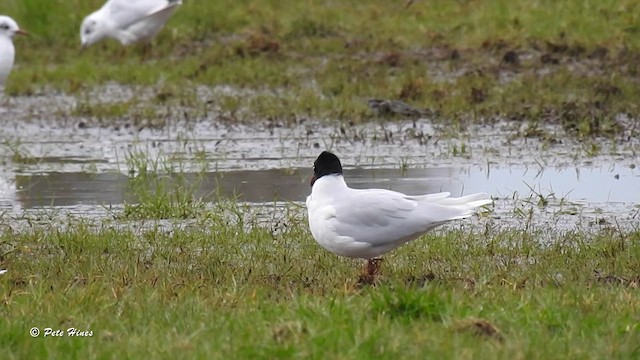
(326, 164)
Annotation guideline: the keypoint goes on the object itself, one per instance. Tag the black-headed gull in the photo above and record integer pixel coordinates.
(8, 28)
(127, 21)
(368, 223)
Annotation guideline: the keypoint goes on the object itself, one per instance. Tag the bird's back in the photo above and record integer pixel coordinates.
(136, 21)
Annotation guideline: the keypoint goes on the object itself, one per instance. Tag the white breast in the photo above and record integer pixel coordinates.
(7, 55)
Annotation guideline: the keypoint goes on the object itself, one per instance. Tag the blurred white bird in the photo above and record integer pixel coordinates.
(371, 222)
(8, 28)
(127, 21)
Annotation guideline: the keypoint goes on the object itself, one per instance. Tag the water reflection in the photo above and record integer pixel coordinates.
(620, 184)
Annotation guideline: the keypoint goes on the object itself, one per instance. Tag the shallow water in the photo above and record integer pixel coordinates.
(613, 184)
(52, 159)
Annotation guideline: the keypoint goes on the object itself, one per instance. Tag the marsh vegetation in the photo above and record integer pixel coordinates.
(570, 63)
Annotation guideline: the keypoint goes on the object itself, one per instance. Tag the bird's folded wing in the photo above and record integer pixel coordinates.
(378, 217)
(124, 13)
(161, 16)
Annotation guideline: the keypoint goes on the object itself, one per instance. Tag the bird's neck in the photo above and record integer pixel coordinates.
(6, 44)
(329, 184)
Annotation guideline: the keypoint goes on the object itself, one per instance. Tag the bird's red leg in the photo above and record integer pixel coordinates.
(371, 269)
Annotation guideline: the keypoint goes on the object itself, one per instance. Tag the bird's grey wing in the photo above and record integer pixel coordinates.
(378, 217)
(429, 197)
(124, 13)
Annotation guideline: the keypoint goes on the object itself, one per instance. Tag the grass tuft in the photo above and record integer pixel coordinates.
(159, 192)
(410, 304)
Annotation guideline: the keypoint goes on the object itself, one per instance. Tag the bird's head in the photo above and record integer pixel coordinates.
(326, 164)
(8, 27)
(92, 30)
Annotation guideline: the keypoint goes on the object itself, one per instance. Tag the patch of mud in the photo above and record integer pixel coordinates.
(480, 327)
(616, 280)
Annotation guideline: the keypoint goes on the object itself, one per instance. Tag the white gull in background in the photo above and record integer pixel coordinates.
(128, 21)
(8, 28)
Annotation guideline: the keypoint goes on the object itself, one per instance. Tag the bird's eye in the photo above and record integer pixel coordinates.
(88, 29)
(4, 26)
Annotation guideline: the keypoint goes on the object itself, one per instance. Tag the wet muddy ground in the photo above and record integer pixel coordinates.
(52, 159)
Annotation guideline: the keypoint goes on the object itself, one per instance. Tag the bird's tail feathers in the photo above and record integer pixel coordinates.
(471, 201)
(436, 197)
(459, 208)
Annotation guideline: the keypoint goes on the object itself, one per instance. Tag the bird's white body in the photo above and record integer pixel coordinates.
(371, 222)
(128, 21)
(7, 56)
(8, 28)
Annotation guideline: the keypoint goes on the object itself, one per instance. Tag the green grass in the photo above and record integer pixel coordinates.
(576, 60)
(242, 290)
(159, 190)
